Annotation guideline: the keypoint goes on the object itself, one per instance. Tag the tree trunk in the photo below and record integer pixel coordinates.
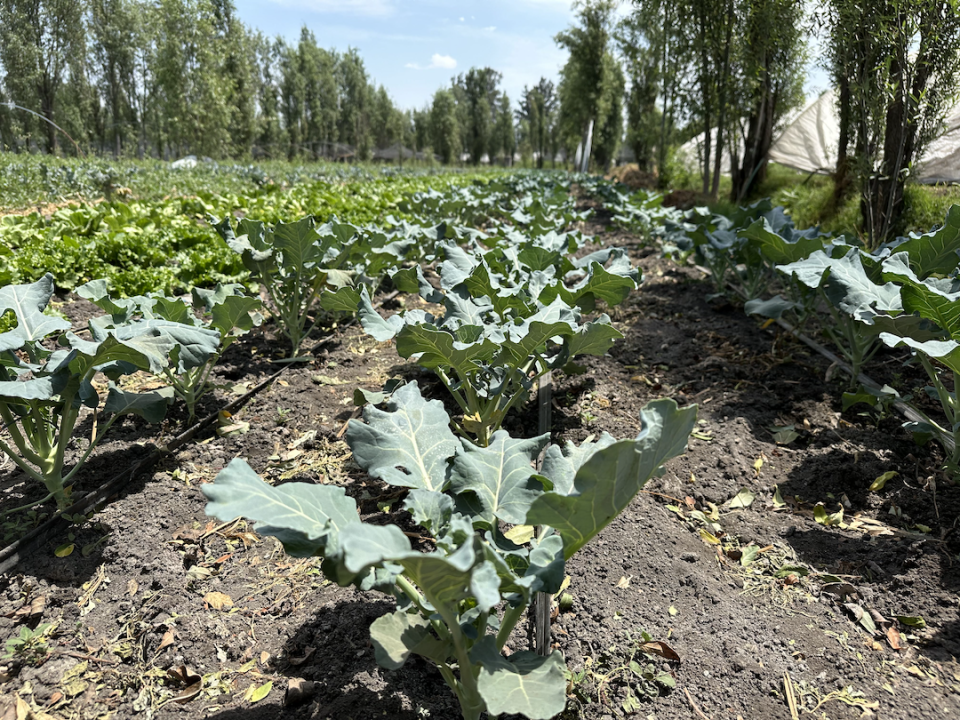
(722, 103)
(706, 91)
(841, 176)
(753, 169)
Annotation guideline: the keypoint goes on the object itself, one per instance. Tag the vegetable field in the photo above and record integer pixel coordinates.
(347, 447)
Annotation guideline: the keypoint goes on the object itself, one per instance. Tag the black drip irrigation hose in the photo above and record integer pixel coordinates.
(16, 551)
(908, 412)
(13, 553)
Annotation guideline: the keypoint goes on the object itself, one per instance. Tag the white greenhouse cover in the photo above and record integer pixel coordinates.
(809, 144)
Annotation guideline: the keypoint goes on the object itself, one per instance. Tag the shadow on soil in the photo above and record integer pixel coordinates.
(333, 651)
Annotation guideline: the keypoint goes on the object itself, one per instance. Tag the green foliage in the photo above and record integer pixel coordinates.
(42, 391)
(447, 598)
(29, 647)
(224, 311)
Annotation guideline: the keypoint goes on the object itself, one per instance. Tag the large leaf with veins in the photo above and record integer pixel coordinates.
(408, 445)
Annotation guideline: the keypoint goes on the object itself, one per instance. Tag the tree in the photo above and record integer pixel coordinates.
(608, 129)
(421, 128)
(639, 39)
(902, 61)
(477, 95)
(537, 115)
(355, 100)
(444, 126)
(586, 76)
(113, 26)
(236, 60)
(504, 139)
(269, 133)
(770, 68)
(39, 40)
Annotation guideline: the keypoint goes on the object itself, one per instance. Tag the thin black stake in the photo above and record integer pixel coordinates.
(543, 601)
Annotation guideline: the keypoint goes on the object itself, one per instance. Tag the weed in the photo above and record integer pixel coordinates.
(30, 646)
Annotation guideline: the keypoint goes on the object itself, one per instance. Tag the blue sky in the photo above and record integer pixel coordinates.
(413, 48)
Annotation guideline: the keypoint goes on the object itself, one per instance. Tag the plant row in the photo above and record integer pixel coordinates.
(904, 294)
(503, 515)
(509, 292)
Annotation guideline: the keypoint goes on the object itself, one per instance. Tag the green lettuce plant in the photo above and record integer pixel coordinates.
(458, 603)
(42, 389)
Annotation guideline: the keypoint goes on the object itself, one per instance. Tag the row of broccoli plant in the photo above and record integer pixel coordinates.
(906, 293)
(47, 372)
(512, 307)
(313, 271)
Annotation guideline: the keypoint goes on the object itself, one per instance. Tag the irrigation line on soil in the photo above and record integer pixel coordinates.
(908, 412)
(13, 553)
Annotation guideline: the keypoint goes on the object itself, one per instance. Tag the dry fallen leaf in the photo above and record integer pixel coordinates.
(218, 600)
(893, 637)
(657, 647)
(188, 677)
(132, 587)
(624, 582)
(167, 639)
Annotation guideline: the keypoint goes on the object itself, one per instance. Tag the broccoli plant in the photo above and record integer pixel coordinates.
(937, 301)
(46, 375)
(458, 603)
(225, 310)
(507, 321)
(306, 268)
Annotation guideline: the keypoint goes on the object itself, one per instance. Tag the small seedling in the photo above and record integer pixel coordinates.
(30, 646)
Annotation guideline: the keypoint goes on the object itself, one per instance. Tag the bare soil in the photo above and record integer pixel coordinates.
(169, 597)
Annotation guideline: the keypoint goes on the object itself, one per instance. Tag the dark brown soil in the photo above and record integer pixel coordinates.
(142, 604)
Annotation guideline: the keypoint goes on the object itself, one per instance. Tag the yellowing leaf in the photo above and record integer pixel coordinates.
(821, 515)
(758, 463)
(520, 534)
(218, 600)
(673, 610)
(261, 692)
(709, 537)
(778, 498)
(878, 484)
(743, 499)
(64, 550)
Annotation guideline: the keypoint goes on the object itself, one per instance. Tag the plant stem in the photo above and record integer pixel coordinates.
(511, 617)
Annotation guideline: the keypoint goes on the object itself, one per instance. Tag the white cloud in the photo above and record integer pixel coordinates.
(442, 61)
(490, 28)
(436, 61)
(461, 19)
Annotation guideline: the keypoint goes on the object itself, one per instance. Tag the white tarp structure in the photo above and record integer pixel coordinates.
(809, 144)
(691, 153)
